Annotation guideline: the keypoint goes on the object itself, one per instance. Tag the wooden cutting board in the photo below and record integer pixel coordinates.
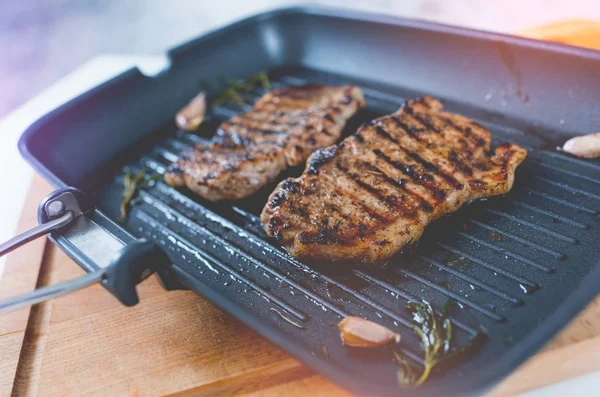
(177, 343)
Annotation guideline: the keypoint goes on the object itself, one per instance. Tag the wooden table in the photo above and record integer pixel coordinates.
(177, 343)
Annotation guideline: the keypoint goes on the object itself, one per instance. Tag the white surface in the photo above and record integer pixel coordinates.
(16, 174)
(581, 386)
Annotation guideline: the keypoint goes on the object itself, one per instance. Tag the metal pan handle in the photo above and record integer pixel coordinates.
(50, 292)
(132, 264)
(38, 231)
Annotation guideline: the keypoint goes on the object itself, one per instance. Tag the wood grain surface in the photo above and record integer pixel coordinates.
(21, 274)
(176, 343)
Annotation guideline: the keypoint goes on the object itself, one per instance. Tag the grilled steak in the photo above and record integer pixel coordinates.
(375, 192)
(282, 129)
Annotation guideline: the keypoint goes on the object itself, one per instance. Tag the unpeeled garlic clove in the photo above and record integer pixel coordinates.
(585, 146)
(358, 332)
(191, 116)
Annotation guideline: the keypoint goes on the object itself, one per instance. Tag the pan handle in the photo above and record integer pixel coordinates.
(47, 293)
(36, 232)
(131, 265)
(57, 210)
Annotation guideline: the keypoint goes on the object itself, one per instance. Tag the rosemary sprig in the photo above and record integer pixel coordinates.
(232, 93)
(429, 330)
(264, 80)
(406, 371)
(132, 184)
(435, 332)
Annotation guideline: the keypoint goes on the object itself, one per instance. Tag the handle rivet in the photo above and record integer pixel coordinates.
(55, 208)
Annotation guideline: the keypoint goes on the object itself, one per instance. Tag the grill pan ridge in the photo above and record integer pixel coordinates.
(510, 264)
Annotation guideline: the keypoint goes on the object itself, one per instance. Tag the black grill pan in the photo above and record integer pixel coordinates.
(518, 267)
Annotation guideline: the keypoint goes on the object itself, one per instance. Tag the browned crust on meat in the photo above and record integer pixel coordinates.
(366, 198)
(282, 129)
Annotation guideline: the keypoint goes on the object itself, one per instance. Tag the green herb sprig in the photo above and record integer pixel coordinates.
(435, 332)
(132, 183)
(234, 89)
(407, 374)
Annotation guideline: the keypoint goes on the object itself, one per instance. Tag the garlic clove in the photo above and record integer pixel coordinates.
(358, 332)
(191, 116)
(584, 146)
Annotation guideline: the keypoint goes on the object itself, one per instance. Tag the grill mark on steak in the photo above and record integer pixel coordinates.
(378, 173)
(339, 213)
(475, 139)
(325, 131)
(421, 178)
(223, 141)
(281, 130)
(264, 118)
(358, 138)
(422, 119)
(280, 200)
(426, 164)
(418, 178)
(378, 189)
(457, 162)
(238, 125)
(357, 202)
(324, 230)
(391, 202)
(412, 131)
(329, 117)
(460, 166)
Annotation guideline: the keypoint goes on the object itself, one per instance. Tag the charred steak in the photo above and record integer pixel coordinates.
(282, 129)
(375, 192)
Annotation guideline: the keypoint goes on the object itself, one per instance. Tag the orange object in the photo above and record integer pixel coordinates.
(583, 33)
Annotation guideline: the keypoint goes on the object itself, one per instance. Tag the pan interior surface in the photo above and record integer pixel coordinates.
(506, 263)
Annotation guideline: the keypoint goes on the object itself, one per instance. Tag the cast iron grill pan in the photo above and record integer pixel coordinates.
(506, 262)
(517, 268)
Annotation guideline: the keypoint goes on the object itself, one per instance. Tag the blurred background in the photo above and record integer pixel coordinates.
(44, 40)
